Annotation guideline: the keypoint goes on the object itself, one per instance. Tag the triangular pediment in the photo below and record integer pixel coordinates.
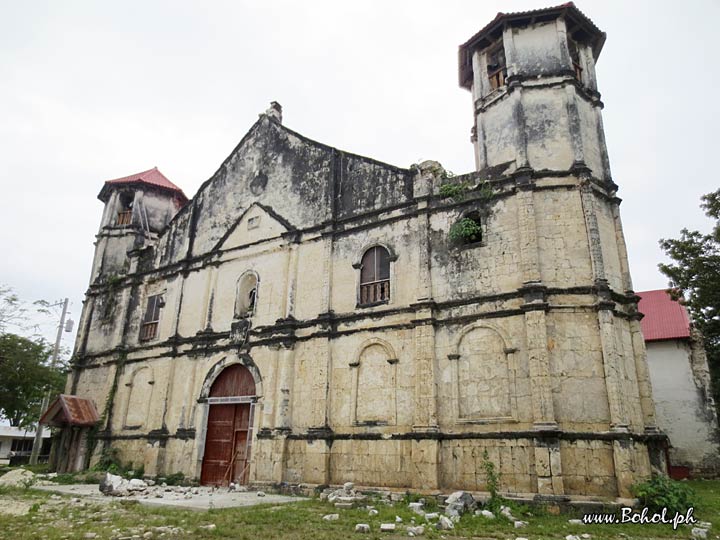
(256, 224)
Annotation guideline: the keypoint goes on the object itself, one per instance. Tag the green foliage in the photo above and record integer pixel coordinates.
(486, 191)
(25, 377)
(455, 190)
(109, 457)
(492, 480)
(661, 492)
(175, 479)
(694, 278)
(466, 230)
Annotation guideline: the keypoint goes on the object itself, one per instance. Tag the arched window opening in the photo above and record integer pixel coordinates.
(575, 57)
(375, 276)
(246, 296)
(124, 216)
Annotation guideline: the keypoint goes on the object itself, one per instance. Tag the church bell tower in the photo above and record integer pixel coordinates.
(534, 91)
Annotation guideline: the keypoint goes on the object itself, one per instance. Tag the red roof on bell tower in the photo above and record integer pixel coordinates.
(152, 177)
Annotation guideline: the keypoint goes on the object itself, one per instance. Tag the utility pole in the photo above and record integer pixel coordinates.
(46, 399)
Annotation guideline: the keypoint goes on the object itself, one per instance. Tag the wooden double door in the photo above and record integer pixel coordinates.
(228, 438)
(227, 445)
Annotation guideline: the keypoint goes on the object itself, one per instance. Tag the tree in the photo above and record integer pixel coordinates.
(695, 281)
(25, 377)
(16, 313)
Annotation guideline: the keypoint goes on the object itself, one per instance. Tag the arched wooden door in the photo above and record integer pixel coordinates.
(228, 436)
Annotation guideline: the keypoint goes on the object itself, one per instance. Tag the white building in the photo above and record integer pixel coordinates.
(15, 441)
(681, 386)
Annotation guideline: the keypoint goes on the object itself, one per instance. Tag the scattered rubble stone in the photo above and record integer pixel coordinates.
(520, 524)
(431, 515)
(348, 486)
(260, 493)
(17, 478)
(331, 517)
(699, 533)
(373, 512)
(485, 513)
(398, 519)
(362, 528)
(458, 503)
(576, 522)
(445, 524)
(210, 527)
(572, 537)
(417, 507)
(416, 531)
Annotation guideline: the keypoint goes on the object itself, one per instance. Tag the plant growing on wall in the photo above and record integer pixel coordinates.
(466, 230)
(492, 479)
(455, 190)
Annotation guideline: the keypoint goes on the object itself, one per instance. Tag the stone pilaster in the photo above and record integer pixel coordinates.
(548, 467)
(647, 403)
(612, 366)
(425, 417)
(535, 307)
(285, 378)
(292, 270)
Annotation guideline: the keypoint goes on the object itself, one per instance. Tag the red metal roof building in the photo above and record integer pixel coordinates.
(664, 317)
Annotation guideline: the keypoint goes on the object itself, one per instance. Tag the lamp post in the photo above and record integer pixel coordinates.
(46, 399)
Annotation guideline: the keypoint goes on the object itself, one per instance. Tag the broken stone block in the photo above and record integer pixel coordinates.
(699, 533)
(348, 486)
(387, 527)
(114, 485)
(416, 531)
(485, 513)
(572, 537)
(344, 505)
(373, 512)
(417, 508)
(444, 524)
(462, 500)
(331, 517)
(362, 528)
(260, 493)
(398, 519)
(431, 515)
(576, 522)
(137, 485)
(520, 524)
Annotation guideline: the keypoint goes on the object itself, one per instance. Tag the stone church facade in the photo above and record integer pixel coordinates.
(308, 317)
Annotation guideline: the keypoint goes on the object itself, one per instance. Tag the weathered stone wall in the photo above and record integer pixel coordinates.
(524, 344)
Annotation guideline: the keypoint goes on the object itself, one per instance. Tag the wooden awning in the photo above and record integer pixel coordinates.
(70, 411)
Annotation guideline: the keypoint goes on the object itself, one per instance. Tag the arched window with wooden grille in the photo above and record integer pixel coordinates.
(375, 276)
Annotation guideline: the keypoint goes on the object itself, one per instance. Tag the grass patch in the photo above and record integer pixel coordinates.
(61, 519)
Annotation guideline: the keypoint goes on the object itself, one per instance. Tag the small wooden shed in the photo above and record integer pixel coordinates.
(75, 416)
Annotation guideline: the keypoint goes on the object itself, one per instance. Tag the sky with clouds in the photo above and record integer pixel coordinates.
(91, 91)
